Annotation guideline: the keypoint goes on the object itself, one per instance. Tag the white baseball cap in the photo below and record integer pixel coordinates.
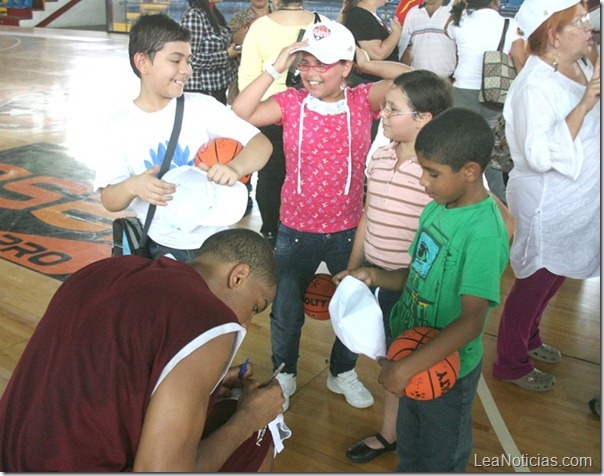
(329, 42)
(532, 13)
(200, 202)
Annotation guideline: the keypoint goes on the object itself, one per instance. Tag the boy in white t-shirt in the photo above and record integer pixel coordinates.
(137, 136)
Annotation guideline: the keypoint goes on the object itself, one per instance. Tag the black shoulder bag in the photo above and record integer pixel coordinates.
(129, 236)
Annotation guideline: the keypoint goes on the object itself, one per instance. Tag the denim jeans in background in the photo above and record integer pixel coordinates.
(436, 435)
(298, 256)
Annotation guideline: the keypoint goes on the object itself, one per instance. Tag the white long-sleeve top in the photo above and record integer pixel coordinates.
(554, 188)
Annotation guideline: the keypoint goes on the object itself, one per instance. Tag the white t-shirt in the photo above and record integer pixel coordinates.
(135, 141)
(478, 32)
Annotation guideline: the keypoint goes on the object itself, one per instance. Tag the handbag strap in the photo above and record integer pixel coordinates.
(165, 165)
(317, 17)
(506, 23)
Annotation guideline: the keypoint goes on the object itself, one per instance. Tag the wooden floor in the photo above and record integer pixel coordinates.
(58, 86)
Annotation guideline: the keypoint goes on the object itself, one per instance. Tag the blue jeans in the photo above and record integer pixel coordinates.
(436, 435)
(298, 255)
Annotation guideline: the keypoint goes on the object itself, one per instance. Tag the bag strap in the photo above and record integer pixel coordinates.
(506, 23)
(317, 17)
(165, 165)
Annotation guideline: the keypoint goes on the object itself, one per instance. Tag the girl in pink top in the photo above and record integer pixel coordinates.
(326, 135)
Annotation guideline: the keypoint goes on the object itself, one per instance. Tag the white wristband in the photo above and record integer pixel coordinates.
(270, 69)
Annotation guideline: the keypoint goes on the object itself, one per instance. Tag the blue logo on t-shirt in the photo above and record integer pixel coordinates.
(180, 157)
(426, 252)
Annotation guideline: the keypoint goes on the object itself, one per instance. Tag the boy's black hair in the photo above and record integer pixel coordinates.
(427, 92)
(240, 245)
(151, 32)
(455, 137)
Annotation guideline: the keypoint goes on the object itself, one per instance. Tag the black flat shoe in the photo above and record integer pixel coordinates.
(361, 453)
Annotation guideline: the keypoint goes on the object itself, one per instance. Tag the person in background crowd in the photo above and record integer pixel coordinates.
(424, 43)
(552, 114)
(370, 34)
(240, 24)
(476, 26)
(214, 59)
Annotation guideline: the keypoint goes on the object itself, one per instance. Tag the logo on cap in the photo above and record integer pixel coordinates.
(321, 32)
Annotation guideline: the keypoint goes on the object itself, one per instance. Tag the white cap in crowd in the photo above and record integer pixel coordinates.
(533, 13)
(329, 42)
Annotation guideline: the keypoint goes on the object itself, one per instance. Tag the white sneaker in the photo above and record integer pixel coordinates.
(349, 385)
(288, 387)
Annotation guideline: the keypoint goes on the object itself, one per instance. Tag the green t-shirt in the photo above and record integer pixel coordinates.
(455, 251)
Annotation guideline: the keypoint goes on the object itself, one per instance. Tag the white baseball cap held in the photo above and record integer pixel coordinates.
(329, 42)
(532, 13)
(200, 202)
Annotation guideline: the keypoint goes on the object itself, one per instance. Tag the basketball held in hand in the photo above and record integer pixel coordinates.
(219, 151)
(318, 294)
(431, 383)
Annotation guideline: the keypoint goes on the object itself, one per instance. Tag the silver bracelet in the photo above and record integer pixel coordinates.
(270, 69)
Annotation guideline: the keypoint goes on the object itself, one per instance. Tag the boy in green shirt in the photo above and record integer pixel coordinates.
(458, 256)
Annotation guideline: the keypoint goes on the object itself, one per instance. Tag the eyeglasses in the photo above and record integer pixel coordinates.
(387, 112)
(581, 22)
(318, 67)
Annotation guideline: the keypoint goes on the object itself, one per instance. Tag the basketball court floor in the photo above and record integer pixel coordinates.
(57, 88)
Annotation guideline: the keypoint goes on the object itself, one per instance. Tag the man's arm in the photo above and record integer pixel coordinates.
(176, 416)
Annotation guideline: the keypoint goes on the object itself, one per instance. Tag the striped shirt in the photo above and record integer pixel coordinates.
(395, 200)
(431, 48)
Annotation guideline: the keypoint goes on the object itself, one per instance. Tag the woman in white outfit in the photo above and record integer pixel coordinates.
(552, 115)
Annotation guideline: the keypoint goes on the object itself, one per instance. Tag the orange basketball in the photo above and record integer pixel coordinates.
(431, 383)
(317, 296)
(219, 151)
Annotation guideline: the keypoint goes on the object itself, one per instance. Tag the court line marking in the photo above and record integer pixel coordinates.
(499, 426)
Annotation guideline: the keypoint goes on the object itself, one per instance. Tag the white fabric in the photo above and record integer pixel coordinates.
(199, 202)
(478, 32)
(356, 318)
(431, 49)
(135, 141)
(279, 431)
(554, 188)
(278, 428)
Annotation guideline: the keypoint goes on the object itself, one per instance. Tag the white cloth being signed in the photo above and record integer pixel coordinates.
(356, 318)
